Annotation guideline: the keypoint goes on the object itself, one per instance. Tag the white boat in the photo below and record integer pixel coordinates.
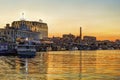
(25, 49)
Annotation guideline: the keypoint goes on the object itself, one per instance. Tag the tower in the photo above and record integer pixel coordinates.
(22, 17)
(80, 33)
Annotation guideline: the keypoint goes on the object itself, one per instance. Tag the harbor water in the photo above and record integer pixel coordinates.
(63, 65)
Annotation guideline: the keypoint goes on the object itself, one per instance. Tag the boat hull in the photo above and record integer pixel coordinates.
(8, 52)
(28, 53)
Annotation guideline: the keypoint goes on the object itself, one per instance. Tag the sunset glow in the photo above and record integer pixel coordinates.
(100, 18)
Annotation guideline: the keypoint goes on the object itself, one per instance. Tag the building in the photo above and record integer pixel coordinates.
(68, 36)
(24, 29)
(34, 26)
(89, 39)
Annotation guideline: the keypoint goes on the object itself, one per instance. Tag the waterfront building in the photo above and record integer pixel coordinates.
(34, 26)
(117, 41)
(32, 30)
(89, 40)
(68, 36)
(8, 33)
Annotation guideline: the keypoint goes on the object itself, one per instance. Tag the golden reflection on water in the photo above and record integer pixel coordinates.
(63, 65)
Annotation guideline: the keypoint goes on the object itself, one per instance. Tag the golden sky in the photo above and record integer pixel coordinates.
(100, 18)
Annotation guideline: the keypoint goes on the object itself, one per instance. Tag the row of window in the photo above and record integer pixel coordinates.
(6, 32)
(34, 28)
(29, 23)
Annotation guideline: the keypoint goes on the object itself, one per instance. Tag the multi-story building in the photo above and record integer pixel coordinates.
(24, 29)
(68, 36)
(89, 39)
(33, 26)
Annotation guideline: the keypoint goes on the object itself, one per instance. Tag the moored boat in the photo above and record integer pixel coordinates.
(26, 50)
(3, 48)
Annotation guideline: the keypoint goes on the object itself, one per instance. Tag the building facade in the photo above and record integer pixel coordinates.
(24, 29)
(33, 26)
(89, 40)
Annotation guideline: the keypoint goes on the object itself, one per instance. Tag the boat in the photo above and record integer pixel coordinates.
(26, 50)
(3, 48)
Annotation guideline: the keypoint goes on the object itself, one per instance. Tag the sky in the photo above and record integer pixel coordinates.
(100, 18)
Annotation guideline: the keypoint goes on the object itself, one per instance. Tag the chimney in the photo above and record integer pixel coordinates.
(80, 33)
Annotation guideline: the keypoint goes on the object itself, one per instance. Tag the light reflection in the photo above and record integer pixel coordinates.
(63, 65)
(66, 65)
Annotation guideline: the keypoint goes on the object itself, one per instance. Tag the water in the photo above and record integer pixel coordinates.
(63, 65)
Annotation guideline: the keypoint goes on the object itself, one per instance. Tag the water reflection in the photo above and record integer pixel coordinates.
(63, 65)
(89, 62)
